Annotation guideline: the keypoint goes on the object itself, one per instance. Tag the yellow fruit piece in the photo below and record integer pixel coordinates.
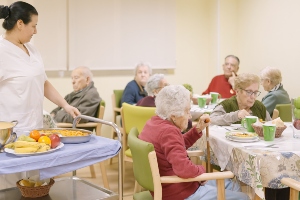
(10, 146)
(38, 183)
(26, 150)
(23, 144)
(45, 139)
(26, 183)
(44, 148)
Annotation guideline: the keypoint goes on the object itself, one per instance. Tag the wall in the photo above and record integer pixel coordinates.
(191, 55)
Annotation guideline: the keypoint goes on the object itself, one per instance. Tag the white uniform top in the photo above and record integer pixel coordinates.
(22, 79)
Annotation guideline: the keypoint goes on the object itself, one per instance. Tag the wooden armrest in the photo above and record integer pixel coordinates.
(64, 125)
(84, 125)
(195, 153)
(117, 109)
(202, 177)
(291, 183)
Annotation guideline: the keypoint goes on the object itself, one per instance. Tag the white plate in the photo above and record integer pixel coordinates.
(248, 136)
(7, 150)
(246, 141)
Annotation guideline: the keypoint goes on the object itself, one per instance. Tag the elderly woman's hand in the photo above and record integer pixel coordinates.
(203, 122)
(242, 114)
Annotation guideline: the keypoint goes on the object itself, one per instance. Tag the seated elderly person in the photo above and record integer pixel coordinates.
(155, 83)
(164, 132)
(271, 82)
(234, 109)
(134, 90)
(85, 96)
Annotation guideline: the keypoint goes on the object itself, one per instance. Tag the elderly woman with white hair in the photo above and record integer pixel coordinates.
(271, 82)
(244, 103)
(154, 84)
(164, 132)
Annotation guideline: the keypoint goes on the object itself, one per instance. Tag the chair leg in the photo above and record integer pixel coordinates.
(92, 169)
(221, 189)
(137, 187)
(112, 136)
(104, 175)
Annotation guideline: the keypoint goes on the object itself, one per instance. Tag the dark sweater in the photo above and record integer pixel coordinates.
(132, 93)
(86, 101)
(231, 105)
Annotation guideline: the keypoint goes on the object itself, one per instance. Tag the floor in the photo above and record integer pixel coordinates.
(112, 173)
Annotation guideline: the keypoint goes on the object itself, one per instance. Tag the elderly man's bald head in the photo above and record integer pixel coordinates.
(81, 78)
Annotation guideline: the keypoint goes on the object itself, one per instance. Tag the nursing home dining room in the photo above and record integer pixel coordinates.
(187, 41)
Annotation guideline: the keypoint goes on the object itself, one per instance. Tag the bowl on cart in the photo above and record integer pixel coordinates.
(74, 139)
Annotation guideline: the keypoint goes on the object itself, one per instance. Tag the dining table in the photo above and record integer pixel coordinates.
(259, 164)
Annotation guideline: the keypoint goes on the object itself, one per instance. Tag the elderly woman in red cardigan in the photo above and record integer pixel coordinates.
(164, 132)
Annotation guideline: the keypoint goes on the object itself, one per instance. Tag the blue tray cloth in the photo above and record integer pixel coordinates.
(68, 158)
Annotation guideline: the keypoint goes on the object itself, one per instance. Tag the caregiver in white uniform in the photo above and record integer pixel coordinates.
(23, 82)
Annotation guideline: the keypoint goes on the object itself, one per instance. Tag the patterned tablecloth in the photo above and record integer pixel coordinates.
(48, 121)
(257, 166)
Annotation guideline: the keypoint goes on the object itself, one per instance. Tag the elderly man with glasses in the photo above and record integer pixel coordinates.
(244, 103)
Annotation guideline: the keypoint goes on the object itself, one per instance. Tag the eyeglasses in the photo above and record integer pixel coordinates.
(249, 92)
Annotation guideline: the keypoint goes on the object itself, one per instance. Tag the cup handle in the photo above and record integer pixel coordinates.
(243, 123)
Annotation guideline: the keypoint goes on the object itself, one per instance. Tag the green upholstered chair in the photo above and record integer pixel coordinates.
(146, 172)
(133, 116)
(294, 187)
(285, 112)
(116, 107)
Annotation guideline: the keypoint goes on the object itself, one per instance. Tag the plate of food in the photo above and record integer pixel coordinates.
(27, 149)
(69, 135)
(241, 135)
(243, 141)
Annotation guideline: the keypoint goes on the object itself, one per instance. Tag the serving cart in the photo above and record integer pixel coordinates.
(68, 158)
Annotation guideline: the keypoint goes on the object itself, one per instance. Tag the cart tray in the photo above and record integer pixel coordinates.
(67, 188)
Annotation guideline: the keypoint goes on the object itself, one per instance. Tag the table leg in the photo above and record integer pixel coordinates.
(256, 197)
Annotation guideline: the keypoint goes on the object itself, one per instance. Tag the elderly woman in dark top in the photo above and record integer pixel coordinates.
(164, 132)
(271, 82)
(154, 84)
(234, 109)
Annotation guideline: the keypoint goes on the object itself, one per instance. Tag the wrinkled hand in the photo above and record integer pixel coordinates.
(231, 78)
(72, 110)
(202, 183)
(242, 114)
(203, 122)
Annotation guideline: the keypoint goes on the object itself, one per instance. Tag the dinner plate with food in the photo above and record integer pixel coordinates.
(240, 136)
(25, 148)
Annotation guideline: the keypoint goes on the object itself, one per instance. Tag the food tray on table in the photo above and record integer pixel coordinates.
(72, 187)
(84, 135)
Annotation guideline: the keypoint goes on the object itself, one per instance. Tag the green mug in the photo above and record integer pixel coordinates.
(214, 97)
(248, 121)
(269, 131)
(201, 101)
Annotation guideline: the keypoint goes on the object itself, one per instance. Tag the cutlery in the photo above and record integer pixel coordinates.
(260, 146)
